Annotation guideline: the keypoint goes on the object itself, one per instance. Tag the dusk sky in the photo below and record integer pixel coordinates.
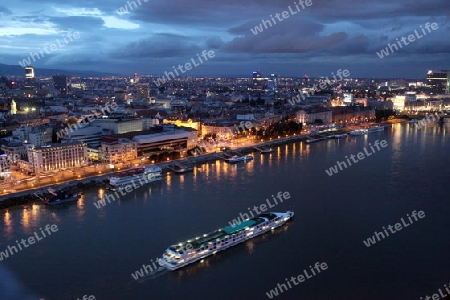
(158, 34)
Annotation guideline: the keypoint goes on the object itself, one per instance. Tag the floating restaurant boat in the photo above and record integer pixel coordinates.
(358, 132)
(238, 158)
(311, 140)
(376, 128)
(180, 169)
(340, 136)
(55, 197)
(137, 175)
(263, 149)
(177, 256)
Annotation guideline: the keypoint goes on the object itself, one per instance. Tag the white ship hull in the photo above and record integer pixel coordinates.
(174, 259)
(358, 132)
(376, 129)
(150, 174)
(236, 158)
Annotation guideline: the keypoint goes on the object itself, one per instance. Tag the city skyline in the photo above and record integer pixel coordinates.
(295, 38)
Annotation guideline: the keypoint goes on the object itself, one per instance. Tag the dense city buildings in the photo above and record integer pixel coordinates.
(115, 120)
(438, 81)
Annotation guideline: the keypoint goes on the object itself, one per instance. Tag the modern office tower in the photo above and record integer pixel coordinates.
(272, 83)
(348, 98)
(135, 78)
(257, 80)
(29, 72)
(438, 81)
(60, 82)
(120, 93)
(143, 91)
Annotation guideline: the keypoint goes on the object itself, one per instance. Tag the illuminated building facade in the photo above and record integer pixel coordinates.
(57, 157)
(438, 81)
(117, 150)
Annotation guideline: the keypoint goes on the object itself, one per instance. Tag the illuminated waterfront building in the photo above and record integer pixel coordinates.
(57, 157)
(438, 81)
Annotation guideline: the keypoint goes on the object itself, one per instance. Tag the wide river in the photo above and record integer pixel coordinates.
(95, 251)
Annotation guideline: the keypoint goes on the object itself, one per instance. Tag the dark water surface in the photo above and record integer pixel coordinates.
(95, 251)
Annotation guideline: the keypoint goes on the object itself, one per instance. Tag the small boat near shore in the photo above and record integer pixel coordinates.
(340, 136)
(311, 140)
(263, 149)
(182, 254)
(147, 174)
(358, 132)
(238, 158)
(55, 197)
(376, 128)
(180, 169)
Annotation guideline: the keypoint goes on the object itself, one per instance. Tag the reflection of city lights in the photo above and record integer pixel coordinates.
(25, 220)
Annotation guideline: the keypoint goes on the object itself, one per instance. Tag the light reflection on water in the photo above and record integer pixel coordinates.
(29, 215)
(180, 206)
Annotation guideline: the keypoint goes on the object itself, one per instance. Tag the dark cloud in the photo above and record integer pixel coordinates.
(287, 36)
(214, 42)
(5, 11)
(161, 33)
(161, 45)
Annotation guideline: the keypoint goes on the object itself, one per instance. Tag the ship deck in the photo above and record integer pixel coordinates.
(220, 233)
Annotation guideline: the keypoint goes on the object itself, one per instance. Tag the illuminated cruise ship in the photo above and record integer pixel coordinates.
(177, 256)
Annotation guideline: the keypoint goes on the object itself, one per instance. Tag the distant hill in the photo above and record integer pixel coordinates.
(16, 70)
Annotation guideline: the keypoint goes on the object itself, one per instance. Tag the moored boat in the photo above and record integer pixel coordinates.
(357, 132)
(238, 158)
(376, 128)
(340, 136)
(179, 168)
(263, 149)
(55, 197)
(138, 175)
(182, 254)
(311, 140)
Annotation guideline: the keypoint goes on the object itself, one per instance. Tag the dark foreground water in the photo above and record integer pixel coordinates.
(95, 251)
